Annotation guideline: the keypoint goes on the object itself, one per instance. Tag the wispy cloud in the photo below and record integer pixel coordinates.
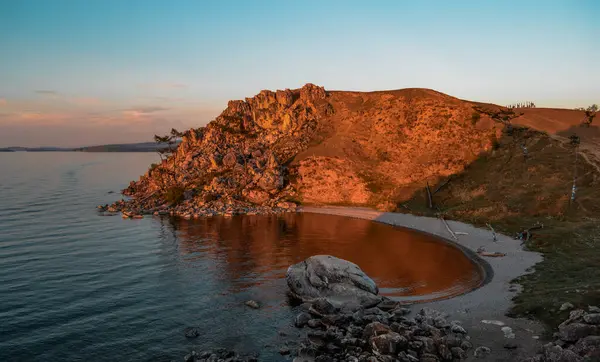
(163, 86)
(46, 92)
(3, 102)
(86, 101)
(149, 109)
(138, 113)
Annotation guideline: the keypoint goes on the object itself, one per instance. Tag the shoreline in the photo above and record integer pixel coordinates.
(482, 311)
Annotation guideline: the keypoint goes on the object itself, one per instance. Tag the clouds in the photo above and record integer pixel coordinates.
(46, 116)
(148, 110)
(163, 86)
(46, 92)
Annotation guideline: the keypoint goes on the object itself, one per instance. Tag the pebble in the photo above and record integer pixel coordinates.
(566, 306)
(252, 304)
(482, 352)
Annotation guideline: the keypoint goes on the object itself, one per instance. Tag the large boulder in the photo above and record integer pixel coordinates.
(341, 282)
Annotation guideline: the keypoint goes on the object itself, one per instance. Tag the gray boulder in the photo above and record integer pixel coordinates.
(341, 282)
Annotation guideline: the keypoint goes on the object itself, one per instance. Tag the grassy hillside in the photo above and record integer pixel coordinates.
(513, 192)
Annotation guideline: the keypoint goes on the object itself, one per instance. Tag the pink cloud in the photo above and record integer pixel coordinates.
(3, 102)
(86, 101)
(43, 118)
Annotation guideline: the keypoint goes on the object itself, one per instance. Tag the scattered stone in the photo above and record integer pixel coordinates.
(458, 329)
(566, 306)
(592, 318)
(575, 331)
(284, 351)
(302, 319)
(482, 352)
(510, 345)
(252, 304)
(495, 322)
(508, 332)
(191, 332)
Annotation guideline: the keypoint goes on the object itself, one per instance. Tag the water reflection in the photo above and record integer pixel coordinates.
(249, 252)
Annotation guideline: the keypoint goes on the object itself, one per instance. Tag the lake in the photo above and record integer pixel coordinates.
(77, 286)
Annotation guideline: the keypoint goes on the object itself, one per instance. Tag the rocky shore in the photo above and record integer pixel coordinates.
(192, 210)
(577, 339)
(346, 320)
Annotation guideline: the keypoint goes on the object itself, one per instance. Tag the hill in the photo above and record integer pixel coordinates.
(483, 164)
(317, 147)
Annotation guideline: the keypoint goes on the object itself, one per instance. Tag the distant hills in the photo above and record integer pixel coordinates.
(123, 147)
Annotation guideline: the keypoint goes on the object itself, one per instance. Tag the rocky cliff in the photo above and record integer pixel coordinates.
(269, 152)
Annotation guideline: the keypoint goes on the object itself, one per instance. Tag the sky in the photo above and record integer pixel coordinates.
(85, 72)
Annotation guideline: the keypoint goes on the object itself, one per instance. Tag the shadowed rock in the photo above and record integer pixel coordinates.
(341, 282)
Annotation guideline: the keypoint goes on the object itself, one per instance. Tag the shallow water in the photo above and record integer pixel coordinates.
(78, 286)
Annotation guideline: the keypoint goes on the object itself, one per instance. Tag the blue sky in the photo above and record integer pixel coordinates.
(76, 72)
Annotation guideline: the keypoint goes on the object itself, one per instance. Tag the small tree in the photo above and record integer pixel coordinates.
(169, 141)
(590, 114)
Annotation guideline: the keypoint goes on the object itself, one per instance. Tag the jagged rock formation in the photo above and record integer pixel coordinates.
(265, 153)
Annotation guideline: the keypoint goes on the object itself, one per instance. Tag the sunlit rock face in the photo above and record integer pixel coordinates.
(276, 149)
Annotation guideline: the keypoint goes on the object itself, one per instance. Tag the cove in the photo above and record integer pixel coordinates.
(406, 264)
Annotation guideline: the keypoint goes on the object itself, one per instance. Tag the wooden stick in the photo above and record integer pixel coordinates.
(493, 232)
(442, 185)
(429, 196)
(449, 230)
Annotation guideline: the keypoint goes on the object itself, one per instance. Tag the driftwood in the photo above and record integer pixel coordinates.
(491, 255)
(429, 196)
(481, 251)
(493, 232)
(448, 228)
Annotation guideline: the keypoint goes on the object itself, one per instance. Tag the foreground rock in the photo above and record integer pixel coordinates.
(348, 321)
(577, 339)
(340, 282)
(373, 334)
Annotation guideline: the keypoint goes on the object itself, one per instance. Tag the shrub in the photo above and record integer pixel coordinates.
(174, 195)
(475, 117)
(495, 142)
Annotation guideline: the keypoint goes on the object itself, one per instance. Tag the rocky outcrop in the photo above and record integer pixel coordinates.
(577, 339)
(267, 153)
(236, 164)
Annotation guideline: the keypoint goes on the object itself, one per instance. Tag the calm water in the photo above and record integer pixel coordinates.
(76, 286)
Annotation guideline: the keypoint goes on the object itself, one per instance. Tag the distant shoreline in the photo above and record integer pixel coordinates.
(126, 147)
